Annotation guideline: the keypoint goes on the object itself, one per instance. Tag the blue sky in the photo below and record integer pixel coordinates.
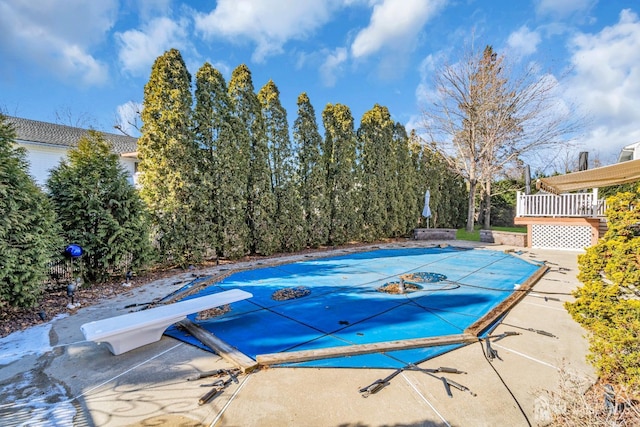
(86, 62)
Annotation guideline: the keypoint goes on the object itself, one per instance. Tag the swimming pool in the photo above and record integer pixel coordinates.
(341, 304)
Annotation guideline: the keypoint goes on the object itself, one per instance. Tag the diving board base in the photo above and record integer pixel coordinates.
(122, 342)
(132, 330)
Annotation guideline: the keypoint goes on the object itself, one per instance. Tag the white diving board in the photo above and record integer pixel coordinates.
(132, 330)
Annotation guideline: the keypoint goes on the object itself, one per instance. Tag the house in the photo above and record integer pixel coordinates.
(630, 152)
(46, 144)
(559, 218)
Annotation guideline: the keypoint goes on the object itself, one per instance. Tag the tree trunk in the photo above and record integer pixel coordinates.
(472, 205)
(487, 206)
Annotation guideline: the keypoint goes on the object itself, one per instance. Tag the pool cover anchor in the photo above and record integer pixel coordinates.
(503, 335)
(379, 384)
(218, 387)
(537, 331)
(491, 353)
(206, 374)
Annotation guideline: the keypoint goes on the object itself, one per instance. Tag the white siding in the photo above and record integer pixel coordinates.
(43, 157)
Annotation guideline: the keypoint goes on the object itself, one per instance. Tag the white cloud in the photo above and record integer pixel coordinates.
(267, 23)
(606, 83)
(140, 48)
(332, 66)
(394, 24)
(425, 91)
(523, 41)
(415, 122)
(153, 8)
(564, 8)
(57, 36)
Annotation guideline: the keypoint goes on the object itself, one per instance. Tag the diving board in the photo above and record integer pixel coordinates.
(132, 330)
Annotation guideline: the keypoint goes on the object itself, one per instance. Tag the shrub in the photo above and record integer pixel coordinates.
(100, 210)
(28, 231)
(608, 303)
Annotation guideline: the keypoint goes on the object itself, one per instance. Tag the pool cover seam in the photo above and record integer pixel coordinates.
(438, 316)
(326, 334)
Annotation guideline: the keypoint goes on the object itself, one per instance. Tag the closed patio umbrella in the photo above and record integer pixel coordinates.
(426, 211)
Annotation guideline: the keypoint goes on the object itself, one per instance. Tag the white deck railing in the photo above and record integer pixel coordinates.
(563, 205)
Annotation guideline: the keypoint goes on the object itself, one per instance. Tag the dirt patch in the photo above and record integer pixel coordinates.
(394, 288)
(213, 312)
(290, 293)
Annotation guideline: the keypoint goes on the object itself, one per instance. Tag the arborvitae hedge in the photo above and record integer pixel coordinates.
(378, 171)
(284, 180)
(261, 202)
(340, 163)
(312, 174)
(28, 229)
(168, 153)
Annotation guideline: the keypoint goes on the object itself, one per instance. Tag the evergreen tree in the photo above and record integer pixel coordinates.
(28, 227)
(449, 193)
(223, 164)
(261, 203)
(407, 166)
(378, 183)
(288, 219)
(100, 210)
(607, 304)
(167, 160)
(339, 154)
(312, 174)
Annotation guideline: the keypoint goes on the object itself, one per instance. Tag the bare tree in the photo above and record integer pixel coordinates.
(487, 116)
(65, 116)
(127, 118)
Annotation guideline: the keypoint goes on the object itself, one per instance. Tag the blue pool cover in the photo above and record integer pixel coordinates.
(345, 307)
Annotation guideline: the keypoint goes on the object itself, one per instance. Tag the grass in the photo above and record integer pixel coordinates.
(474, 236)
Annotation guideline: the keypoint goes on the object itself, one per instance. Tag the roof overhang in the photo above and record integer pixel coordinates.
(619, 173)
(629, 152)
(131, 155)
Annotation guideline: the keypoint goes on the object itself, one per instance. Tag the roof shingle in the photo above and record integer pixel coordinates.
(66, 136)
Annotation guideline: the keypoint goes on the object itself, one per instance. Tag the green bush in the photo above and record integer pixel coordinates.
(28, 231)
(100, 210)
(608, 303)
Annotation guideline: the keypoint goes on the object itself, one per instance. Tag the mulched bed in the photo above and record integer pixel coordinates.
(55, 301)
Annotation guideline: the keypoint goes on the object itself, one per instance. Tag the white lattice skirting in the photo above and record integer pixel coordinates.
(560, 236)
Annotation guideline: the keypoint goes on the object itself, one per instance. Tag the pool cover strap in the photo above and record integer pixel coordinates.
(379, 384)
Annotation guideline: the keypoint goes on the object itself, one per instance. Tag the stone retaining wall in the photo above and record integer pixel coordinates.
(504, 238)
(434, 234)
